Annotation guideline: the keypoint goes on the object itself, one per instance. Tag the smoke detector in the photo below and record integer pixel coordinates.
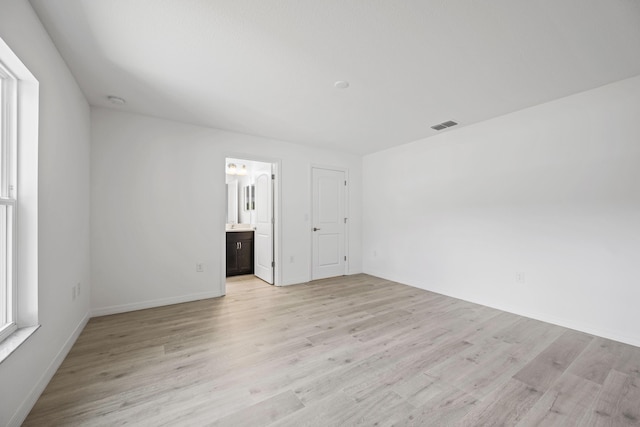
(116, 100)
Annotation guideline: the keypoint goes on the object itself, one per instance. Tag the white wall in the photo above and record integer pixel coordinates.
(158, 208)
(552, 191)
(63, 226)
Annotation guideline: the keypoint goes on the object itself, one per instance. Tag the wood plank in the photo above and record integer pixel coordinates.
(547, 367)
(319, 412)
(479, 369)
(353, 328)
(564, 404)
(262, 413)
(445, 408)
(595, 363)
(617, 404)
(504, 407)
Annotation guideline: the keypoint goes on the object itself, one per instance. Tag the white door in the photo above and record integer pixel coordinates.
(263, 236)
(328, 230)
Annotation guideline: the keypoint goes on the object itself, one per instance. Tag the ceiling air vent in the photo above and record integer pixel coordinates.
(444, 125)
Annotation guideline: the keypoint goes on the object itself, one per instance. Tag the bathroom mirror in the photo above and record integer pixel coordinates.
(249, 197)
(232, 202)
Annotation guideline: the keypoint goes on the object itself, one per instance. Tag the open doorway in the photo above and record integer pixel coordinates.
(250, 228)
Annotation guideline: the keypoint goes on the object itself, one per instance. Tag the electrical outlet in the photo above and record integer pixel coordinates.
(520, 277)
(199, 267)
(73, 293)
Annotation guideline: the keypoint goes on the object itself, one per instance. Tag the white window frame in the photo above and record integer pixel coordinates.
(19, 112)
(8, 174)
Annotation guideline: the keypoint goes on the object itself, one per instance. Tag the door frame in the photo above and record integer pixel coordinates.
(277, 205)
(346, 212)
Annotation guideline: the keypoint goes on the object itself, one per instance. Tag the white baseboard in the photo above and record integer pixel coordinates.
(536, 315)
(294, 282)
(307, 279)
(31, 399)
(575, 325)
(123, 308)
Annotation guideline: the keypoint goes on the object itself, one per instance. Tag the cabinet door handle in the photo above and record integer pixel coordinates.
(315, 229)
(237, 245)
(240, 243)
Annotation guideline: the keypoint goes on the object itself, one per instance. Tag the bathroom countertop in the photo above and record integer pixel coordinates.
(237, 228)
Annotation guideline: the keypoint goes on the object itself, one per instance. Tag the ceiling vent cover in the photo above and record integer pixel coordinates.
(444, 125)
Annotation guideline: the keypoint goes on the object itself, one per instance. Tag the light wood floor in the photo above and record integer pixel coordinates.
(354, 350)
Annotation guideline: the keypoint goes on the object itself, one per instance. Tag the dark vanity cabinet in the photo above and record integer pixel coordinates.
(239, 252)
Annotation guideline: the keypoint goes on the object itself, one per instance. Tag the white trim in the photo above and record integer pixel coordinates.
(8, 137)
(543, 317)
(347, 224)
(27, 195)
(14, 340)
(32, 397)
(23, 177)
(8, 171)
(571, 324)
(125, 308)
(305, 280)
(297, 281)
(6, 331)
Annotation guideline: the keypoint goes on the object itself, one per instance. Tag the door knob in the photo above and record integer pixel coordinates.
(315, 229)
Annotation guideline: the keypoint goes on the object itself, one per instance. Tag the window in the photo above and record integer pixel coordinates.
(19, 105)
(8, 205)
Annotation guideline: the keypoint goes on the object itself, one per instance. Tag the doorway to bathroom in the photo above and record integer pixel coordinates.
(251, 234)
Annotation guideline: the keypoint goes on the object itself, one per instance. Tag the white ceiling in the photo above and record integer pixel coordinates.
(267, 67)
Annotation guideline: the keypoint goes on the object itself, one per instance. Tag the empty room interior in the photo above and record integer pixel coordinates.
(331, 213)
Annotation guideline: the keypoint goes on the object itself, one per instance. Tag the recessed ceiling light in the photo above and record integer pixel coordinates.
(116, 100)
(341, 84)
